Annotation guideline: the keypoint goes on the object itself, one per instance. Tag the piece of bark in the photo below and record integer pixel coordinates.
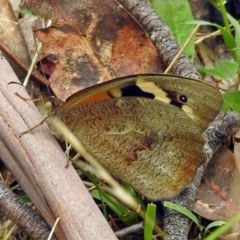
(130, 230)
(54, 190)
(22, 215)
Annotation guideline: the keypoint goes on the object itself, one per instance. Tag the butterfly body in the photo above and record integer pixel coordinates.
(146, 130)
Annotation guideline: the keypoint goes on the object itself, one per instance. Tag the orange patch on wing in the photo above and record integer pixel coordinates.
(97, 98)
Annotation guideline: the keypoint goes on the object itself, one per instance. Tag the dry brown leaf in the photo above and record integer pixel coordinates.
(11, 36)
(93, 41)
(218, 196)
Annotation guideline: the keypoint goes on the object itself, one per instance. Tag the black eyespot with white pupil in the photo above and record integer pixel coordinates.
(183, 98)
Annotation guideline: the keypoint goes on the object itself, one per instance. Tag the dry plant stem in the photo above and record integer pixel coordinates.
(182, 49)
(36, 56)
(15, 59)
(53, 229)
(161, 37)
(53, 189)
(33, 63)
(21, 214)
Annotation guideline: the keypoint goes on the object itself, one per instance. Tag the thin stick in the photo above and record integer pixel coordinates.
(15, 59)
(53, 228)
(34, 59)
(182, 49)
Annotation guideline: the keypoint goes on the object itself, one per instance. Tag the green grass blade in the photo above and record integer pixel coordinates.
(183, 211)
(236, 26)
(213, 224)
(149, 221)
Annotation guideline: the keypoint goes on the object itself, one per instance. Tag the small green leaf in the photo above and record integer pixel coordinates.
(231, 101)
(26, 12)
(213, 225)
(183, 211)
(149, 221)
(223, 70)
(24, 198)
(175, 14)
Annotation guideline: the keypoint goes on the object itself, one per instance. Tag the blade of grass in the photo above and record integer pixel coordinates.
(183, 211)
(221, 230)
(214, 224)
(149, 221)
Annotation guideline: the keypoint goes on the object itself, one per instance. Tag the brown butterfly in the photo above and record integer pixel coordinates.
(146, 129)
